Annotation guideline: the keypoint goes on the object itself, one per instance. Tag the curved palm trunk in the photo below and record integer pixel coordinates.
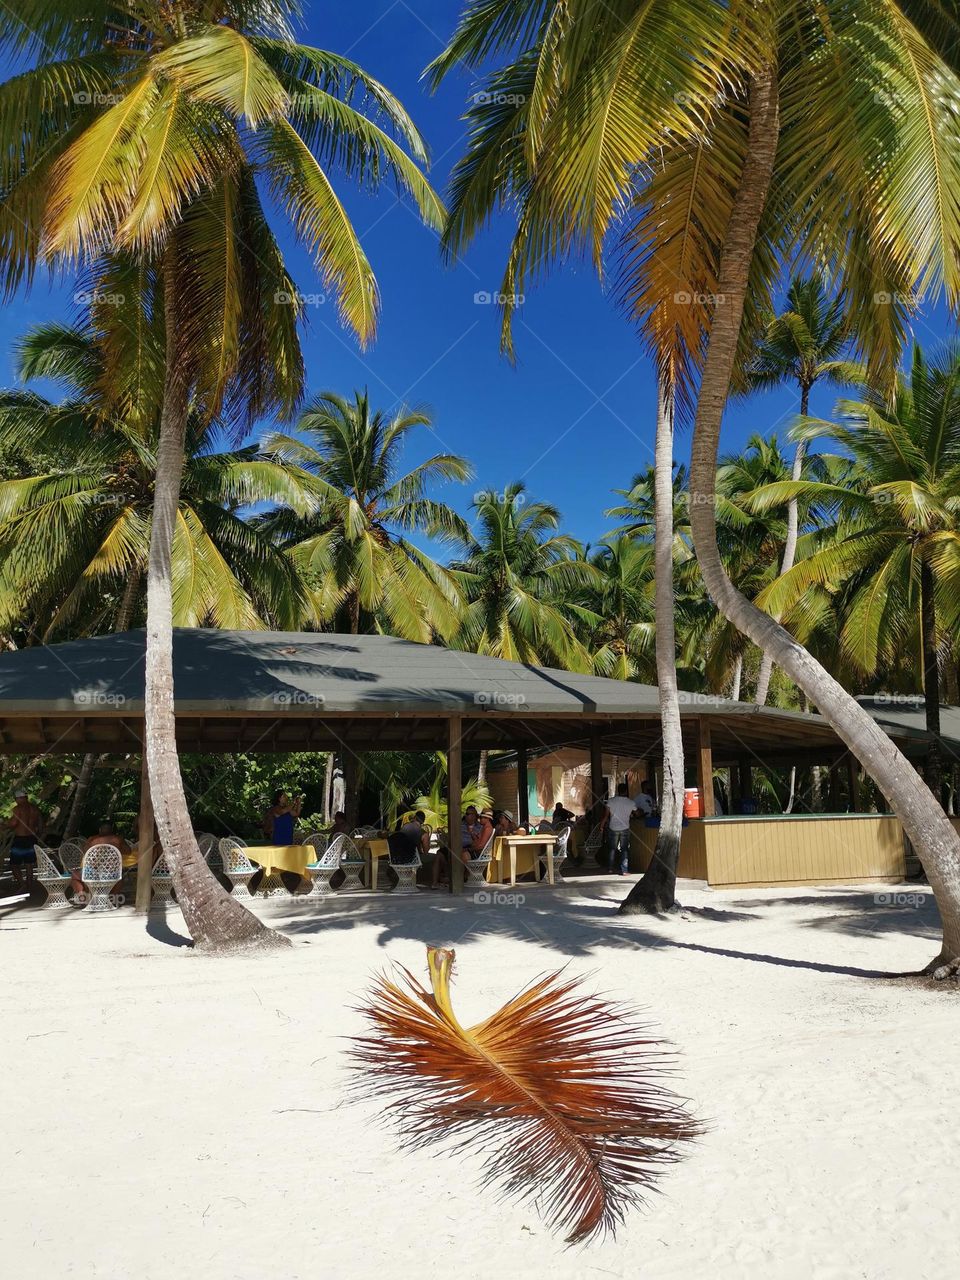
(789, 546)
(922, 818)
(737, 679)
(216, 921)
(656, 889)
(931, 679)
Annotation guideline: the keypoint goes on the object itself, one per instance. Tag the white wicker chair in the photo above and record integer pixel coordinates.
(352, 862)
(592, 846)
(70, 854)
(406, 872)
(100, 870)
(322, 868)
(161, 879)
(51, 877)
(237, 867)
(475, 871)
(560, 854)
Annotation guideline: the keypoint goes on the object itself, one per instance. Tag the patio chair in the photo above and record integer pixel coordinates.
(326, 862)
(70, 854)
(592, 846)
(475, 871)
(237, 867)
(406, 866)
(100, 870)
(161, 879)
(351, 860)
(559, 853)
(51, 877)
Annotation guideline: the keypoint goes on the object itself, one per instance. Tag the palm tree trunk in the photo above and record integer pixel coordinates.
(482, 769)
(84, 778)
(328, 788)
(216, 921)
(931, 679)
(737, 678)
(923, 820)
(130, 593)
(655, 891)
(789, 545)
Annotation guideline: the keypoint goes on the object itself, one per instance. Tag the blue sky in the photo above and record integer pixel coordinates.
(575, 418)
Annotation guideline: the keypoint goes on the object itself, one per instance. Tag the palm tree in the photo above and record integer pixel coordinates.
(75, 537)
(802, 344)
(681, 120)
(515, 573)
(354, 549)
(616, 609)
(153, 133)
(896, 549)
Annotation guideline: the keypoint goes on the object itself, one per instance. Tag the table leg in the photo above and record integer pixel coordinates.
(513, 865)
(550, 879)
(374, 864)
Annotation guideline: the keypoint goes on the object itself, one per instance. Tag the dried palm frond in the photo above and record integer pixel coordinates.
(561, 1091)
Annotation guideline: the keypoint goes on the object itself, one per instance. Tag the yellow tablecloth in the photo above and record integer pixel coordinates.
(282, 857)
(528, 852)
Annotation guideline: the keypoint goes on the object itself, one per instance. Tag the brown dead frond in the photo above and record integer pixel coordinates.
(562, 1092)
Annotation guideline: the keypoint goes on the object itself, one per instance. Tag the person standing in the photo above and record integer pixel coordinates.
(616, 823)
(278, 821)
(645, 800)
(26, 822)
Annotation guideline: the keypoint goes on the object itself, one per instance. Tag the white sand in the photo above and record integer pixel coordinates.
(172, 1116)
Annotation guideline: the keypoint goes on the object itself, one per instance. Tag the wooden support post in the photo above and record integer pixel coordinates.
(744, 779)
(834, 800)
(146, 836)
(454, 816)
(596, 767)
(705, 765)
(853, 778)
(523, 793)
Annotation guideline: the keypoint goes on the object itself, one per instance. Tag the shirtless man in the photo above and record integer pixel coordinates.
(26, 822)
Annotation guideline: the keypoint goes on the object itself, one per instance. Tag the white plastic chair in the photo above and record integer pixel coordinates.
(161, 879)
(237, 867)
(323, 866)
(70, 854)
(475, 871)
(560, 854)
(51, 877)
(406, 872)
(100, 870)
(351, 860)
(366, 833)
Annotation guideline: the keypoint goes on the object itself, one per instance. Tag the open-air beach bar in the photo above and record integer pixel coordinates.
(276, 692)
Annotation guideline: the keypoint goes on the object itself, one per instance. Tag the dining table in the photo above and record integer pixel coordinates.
(373, 849)
(275, 858)
(522, 853)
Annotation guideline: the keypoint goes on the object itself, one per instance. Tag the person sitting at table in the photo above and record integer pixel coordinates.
(340, 826)
(503, 823)
(278, 821)
(475, 830)
(107, 835)
(409, 838)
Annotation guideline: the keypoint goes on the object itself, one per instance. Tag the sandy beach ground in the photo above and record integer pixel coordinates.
(173, 1116)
